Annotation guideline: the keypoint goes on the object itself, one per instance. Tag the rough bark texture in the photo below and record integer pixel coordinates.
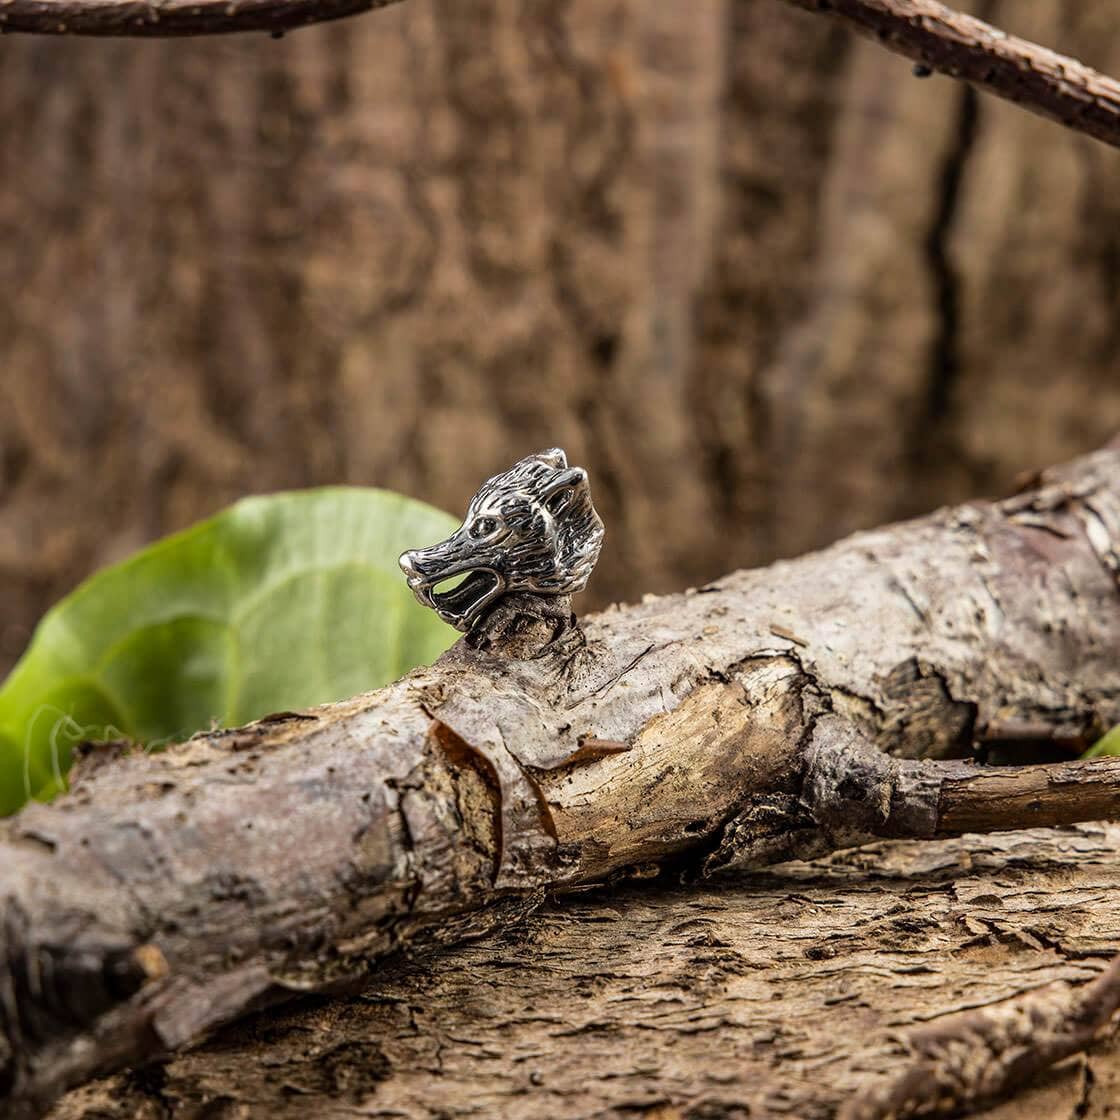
(976, 1055)
(776, 713)
(771, 996)
(767, 286)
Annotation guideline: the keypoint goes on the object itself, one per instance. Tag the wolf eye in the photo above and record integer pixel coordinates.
(482, 527)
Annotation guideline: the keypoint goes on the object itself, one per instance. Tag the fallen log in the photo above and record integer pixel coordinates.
(775, 714)
(772, 995)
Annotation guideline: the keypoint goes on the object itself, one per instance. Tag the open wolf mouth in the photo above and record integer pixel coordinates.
(463, 594)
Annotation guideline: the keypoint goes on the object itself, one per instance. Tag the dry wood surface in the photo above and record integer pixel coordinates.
(777, 713)
(776, 995)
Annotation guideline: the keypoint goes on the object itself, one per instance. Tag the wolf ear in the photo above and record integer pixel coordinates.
(553, 457)
(568, 479)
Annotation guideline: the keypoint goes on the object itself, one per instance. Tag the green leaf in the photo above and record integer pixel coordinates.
(278, 602)
(1107, 744)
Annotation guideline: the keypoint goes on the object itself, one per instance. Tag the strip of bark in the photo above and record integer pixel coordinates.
(940, 38)
(168, 893)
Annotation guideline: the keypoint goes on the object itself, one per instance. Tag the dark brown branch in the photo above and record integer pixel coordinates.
(984, 800)
(853, 794)
(1041, 80)
(166, 18)
(168, 893)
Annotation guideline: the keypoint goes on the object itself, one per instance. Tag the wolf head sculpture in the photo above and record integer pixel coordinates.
(532, 528)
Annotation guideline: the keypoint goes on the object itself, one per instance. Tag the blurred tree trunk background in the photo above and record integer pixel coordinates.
(767, 285)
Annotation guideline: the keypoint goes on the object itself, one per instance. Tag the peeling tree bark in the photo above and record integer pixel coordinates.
(776, 713)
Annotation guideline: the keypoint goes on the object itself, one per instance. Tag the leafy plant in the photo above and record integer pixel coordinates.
(1107, 744)
(278, 602)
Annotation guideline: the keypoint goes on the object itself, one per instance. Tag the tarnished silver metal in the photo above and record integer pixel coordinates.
(531, 529)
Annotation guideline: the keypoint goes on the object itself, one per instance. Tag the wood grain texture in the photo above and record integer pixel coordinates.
(774, 995)
(291, 855)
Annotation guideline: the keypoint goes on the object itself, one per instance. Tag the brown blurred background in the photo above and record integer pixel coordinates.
(767, 285)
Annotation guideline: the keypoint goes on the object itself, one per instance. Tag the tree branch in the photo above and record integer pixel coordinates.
(853, 794)
(1040, 80)
(168, 18)
(733, 725)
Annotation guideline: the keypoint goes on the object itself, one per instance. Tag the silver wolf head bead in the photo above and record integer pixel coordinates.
(532, 528)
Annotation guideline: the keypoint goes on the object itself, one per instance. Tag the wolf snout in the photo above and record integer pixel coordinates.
(410, 563)
(422, 565)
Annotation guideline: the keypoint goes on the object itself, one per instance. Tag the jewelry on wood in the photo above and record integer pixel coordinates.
(532, 529)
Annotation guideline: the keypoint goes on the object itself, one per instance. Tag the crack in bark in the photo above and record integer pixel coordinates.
(945, 361)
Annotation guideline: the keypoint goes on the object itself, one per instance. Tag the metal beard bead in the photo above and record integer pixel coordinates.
(531, 529)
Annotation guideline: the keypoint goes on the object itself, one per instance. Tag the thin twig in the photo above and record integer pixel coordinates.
(854, 793)
(168, 18)
(1038, 79)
